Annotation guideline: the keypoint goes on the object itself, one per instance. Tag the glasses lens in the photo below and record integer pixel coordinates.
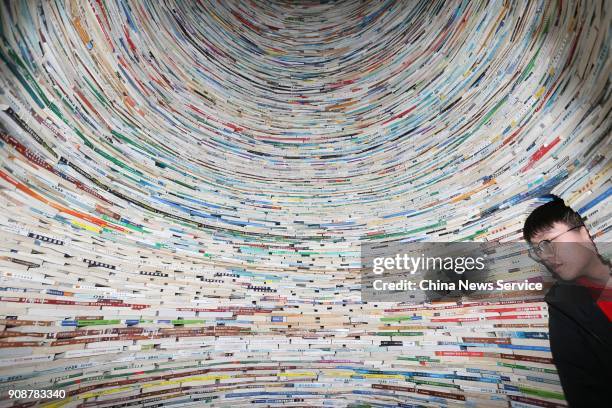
(533, 254)
(546, 248)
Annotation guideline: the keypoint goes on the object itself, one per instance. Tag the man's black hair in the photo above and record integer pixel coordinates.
(543, 217)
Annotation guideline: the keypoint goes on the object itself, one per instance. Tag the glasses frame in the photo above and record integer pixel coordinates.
(537, 250)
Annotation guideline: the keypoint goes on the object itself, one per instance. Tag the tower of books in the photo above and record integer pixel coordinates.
(185, 187)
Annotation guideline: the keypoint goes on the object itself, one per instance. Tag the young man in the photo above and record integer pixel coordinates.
(580, 311)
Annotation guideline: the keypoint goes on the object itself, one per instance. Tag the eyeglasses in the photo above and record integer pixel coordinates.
(545, 247)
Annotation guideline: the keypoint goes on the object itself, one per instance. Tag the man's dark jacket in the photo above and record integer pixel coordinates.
(581, 345)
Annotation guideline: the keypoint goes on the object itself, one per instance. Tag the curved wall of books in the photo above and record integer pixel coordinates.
(185, 188)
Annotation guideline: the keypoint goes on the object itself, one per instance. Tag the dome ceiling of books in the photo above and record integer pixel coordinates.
(185, 185)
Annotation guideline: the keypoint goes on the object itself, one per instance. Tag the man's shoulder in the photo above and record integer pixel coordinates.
(566, 303)
(567, 292)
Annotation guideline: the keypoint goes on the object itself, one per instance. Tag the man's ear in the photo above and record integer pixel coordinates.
(584, 234)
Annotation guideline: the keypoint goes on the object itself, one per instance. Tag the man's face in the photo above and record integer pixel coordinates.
(572, 250)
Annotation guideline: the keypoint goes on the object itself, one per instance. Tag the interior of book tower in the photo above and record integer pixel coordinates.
(186, 188)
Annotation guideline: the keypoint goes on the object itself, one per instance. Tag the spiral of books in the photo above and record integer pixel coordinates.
(185, 187)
